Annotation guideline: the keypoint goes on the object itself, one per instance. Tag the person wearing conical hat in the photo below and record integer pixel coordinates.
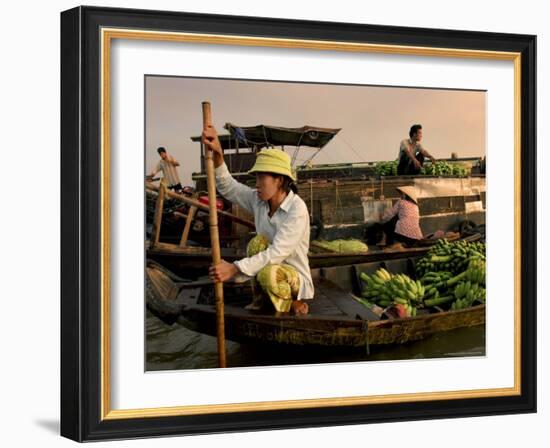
(401, 223)
(277, 258)
(411, 153)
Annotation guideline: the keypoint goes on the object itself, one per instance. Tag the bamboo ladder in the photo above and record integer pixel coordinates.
(193, 204)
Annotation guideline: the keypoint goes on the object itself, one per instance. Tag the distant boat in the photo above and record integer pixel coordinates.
(349, 195)
(191, 261)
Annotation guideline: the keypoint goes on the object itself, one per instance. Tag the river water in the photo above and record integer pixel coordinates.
(174, 347)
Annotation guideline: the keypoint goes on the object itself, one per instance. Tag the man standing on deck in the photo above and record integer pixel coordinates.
(167, 164)
(412, 153)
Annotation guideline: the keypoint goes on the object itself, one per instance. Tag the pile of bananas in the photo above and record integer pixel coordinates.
(450, 275)
(449, 256)
(398, 290)
(461, 290)
(386, 168)
(466, 293)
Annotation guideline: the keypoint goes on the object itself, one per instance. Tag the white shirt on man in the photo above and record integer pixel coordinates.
(168, 171)
(407, 143)
(287, 230)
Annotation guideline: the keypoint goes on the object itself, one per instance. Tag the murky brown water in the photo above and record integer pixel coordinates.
(173, 347)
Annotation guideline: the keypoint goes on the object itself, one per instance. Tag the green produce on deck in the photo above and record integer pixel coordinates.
(460, 170)
(444, 169)
(342, 245)
(386, 168)
(440, 168)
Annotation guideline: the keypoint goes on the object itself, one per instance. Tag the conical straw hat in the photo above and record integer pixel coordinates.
(410, 192)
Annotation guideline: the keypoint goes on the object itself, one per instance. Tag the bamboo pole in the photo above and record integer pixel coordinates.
(200, 205)
(187, 228)
(180, 214)
(214, 236)
(159, 206)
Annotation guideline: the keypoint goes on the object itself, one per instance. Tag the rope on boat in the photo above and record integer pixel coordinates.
(303, 165)
(296, 150)
(351, 147)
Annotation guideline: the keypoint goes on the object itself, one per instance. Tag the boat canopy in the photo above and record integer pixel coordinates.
(262, 135)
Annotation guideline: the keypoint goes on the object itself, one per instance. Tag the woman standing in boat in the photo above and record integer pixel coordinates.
(278, 255)
(401, 223)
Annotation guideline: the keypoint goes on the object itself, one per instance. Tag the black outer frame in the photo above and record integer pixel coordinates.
(81, 221)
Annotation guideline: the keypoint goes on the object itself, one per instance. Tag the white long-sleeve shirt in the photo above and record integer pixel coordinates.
(287, 230)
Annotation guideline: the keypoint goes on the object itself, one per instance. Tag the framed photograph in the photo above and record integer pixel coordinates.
(274, 223)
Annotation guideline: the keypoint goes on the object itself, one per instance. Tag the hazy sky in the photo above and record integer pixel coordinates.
(373, 119)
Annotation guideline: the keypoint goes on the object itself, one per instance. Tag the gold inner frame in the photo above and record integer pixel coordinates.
(107, 35)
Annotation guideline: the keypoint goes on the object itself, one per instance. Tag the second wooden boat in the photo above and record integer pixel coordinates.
(191, 261)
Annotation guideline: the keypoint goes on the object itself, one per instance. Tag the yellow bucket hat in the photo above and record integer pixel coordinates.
(273, 161)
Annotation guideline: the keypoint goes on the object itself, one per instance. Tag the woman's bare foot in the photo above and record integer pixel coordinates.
(299, 307)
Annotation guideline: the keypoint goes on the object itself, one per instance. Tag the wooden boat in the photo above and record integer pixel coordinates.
(190, 261)
(337, 195)
(335, 319)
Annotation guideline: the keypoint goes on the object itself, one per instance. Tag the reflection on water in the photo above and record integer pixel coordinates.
(173, 347)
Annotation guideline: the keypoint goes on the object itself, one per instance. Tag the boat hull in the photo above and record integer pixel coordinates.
(326, 332)
(335, 319)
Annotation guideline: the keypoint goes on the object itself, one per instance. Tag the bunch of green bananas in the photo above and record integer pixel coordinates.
(374, 286)
(466, 293)
(386, 168)
(475, 273)
(435, 283)
(463, 289)
(400, 290)
(449, 256)
(407, 292)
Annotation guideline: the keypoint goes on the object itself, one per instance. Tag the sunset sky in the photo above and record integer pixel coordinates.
(373, 119)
